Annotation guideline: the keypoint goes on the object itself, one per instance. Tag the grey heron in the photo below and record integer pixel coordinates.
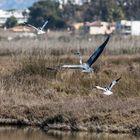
(86, 67)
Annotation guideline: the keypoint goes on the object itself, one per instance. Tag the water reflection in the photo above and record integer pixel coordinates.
(30, 133)
(88, 136)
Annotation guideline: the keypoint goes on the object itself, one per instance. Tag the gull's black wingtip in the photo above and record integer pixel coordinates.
(118, 79)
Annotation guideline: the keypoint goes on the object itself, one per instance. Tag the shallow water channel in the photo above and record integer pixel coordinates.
(30, 133)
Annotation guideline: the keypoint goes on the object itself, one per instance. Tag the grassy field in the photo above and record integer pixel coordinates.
(34, 94)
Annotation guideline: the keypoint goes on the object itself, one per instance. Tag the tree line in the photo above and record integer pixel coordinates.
(104, 10)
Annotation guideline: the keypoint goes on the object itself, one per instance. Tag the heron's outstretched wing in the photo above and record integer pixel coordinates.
(44, 25)
(33, 27)
(97, 53)
(72, 66)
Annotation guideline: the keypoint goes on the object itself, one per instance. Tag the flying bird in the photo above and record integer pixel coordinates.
(107, 90)
(86, 67)
(39, 30)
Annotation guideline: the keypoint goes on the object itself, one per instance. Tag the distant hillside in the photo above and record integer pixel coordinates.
(15, 4)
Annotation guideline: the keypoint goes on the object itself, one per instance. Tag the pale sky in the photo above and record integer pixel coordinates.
(16, 4)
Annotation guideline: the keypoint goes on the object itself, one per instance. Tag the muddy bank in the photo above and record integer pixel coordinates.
(134, 129)
(110, 115)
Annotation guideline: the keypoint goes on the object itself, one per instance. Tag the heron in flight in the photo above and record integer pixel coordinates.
(86, 67)
(39, 30)
(107, 90)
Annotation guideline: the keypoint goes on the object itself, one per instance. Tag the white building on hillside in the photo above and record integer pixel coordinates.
(76, 2)
(17, 14)
(99, 27)
(123, 27)
(128, 27)
(135, 28)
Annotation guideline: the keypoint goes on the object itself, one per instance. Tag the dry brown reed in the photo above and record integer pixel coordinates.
(30, 89)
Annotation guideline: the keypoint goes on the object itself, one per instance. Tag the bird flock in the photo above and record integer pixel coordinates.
(85, 67)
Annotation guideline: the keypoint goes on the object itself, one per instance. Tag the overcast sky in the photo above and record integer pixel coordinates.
(15, 4)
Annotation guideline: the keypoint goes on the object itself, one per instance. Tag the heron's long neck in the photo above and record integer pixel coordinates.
(81, 62)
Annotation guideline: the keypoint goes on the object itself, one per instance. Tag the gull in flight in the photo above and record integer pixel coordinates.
(107, 90)
(40, 29)
(86, 67)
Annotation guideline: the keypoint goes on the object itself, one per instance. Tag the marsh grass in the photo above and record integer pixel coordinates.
(34, 87)
(41, 58)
